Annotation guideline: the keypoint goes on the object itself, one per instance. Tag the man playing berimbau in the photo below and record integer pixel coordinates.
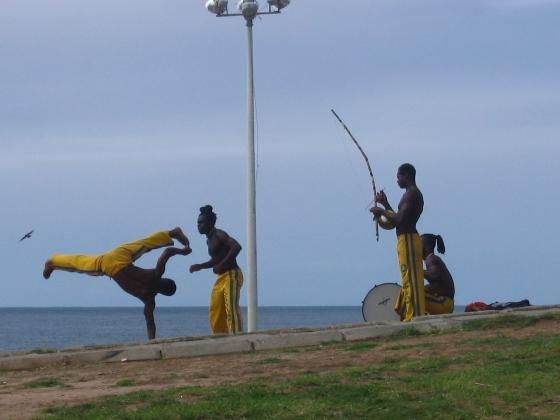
(411, 302)
(142, 283)
(225, 314)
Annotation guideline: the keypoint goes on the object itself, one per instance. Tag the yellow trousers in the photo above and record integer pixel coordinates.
(113, 261)
(410, 302)
(225, 314)
(436, 305)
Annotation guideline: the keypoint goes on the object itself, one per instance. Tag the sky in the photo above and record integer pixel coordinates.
(120, 118)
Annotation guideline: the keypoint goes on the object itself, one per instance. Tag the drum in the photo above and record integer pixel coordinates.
(379, 303)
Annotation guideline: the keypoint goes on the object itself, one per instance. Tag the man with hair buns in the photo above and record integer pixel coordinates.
(440, 290)
(141, 283)
(224, 313)
(411, 302)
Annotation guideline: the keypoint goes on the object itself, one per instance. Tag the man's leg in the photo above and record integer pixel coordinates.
(409, 249)
(86, 264)
(436, 305)
(231, 301)
(124, 255)
(217, 311)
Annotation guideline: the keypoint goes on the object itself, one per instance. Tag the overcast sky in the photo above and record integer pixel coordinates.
(119, 118)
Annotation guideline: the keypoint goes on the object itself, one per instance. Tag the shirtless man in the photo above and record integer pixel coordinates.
(142, 283)
(411, 302)
(440, 290)
(225, 314)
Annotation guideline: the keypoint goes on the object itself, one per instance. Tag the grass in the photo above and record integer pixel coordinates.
(127, 382)
(47, 382)
(271, 361)
(495, 377)
(363, 346)
(507, 321)
(42, 351)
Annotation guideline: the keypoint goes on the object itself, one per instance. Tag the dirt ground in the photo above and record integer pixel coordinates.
(87, 382)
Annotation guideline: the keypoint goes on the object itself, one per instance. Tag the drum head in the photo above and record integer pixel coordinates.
(379, 303)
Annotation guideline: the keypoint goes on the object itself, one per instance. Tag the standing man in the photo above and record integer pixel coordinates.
(141, 283)
(225, 314)
(440, 290)
(411, 302)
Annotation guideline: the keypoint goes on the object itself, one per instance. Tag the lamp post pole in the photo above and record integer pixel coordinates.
(249, 10)
(252, 295)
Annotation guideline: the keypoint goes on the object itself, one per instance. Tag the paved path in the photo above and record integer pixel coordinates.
(183, 347)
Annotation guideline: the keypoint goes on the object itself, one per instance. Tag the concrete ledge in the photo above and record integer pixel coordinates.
(373, 331)
(297, 339)
(184, 347)
(239, 344)
(30, 361)
(128, 354)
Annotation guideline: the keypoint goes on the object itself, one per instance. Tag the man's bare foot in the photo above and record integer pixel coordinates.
(178, 234)
(49, 268)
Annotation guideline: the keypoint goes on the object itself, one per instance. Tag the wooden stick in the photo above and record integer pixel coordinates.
(368, 166)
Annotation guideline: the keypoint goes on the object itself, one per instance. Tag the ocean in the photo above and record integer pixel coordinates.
(58, 328)
(55, 328)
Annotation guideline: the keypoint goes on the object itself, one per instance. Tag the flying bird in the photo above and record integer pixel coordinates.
(27, 235)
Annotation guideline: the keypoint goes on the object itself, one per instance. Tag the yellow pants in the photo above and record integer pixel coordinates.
(113, 261)
(225, 314)
(410, 302)
(436, 305)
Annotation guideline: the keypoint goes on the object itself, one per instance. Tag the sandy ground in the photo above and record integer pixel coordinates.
(87, 382)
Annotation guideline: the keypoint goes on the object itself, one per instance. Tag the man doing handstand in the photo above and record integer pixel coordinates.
(142, 283)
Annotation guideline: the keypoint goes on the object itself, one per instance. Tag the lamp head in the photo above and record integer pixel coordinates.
(278, 4)
(248, 8)
(218, 7)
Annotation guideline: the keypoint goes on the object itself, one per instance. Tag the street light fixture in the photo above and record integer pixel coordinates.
(249, 9)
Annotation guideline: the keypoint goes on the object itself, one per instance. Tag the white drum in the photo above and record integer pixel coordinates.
(379, 303)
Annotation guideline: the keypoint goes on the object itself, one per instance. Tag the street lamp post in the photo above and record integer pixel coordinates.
(249, 9)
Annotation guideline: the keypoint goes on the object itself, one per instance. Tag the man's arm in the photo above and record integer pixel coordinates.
(233, 250)
(165, 255)
(149, 307)
(203, 266)
(406, 208)
(388, 212)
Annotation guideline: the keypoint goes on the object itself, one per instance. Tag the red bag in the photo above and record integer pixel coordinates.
(477, 306)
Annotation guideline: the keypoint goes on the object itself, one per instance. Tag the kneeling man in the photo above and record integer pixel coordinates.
(440, 290)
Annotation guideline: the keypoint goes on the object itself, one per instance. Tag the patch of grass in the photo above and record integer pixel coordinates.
(507, 321)
(407, 332)
(291, 350)
(47, 382)
(42, 351)
(271, 361)
(127, 382)
(409, 346)
(363, 346)
(515, 379)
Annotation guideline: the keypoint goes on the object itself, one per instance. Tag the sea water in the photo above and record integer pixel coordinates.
(56, 328)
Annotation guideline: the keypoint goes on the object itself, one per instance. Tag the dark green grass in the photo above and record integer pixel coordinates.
(499, 378)
(507, 321)
(127, 382)
(47, 382)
